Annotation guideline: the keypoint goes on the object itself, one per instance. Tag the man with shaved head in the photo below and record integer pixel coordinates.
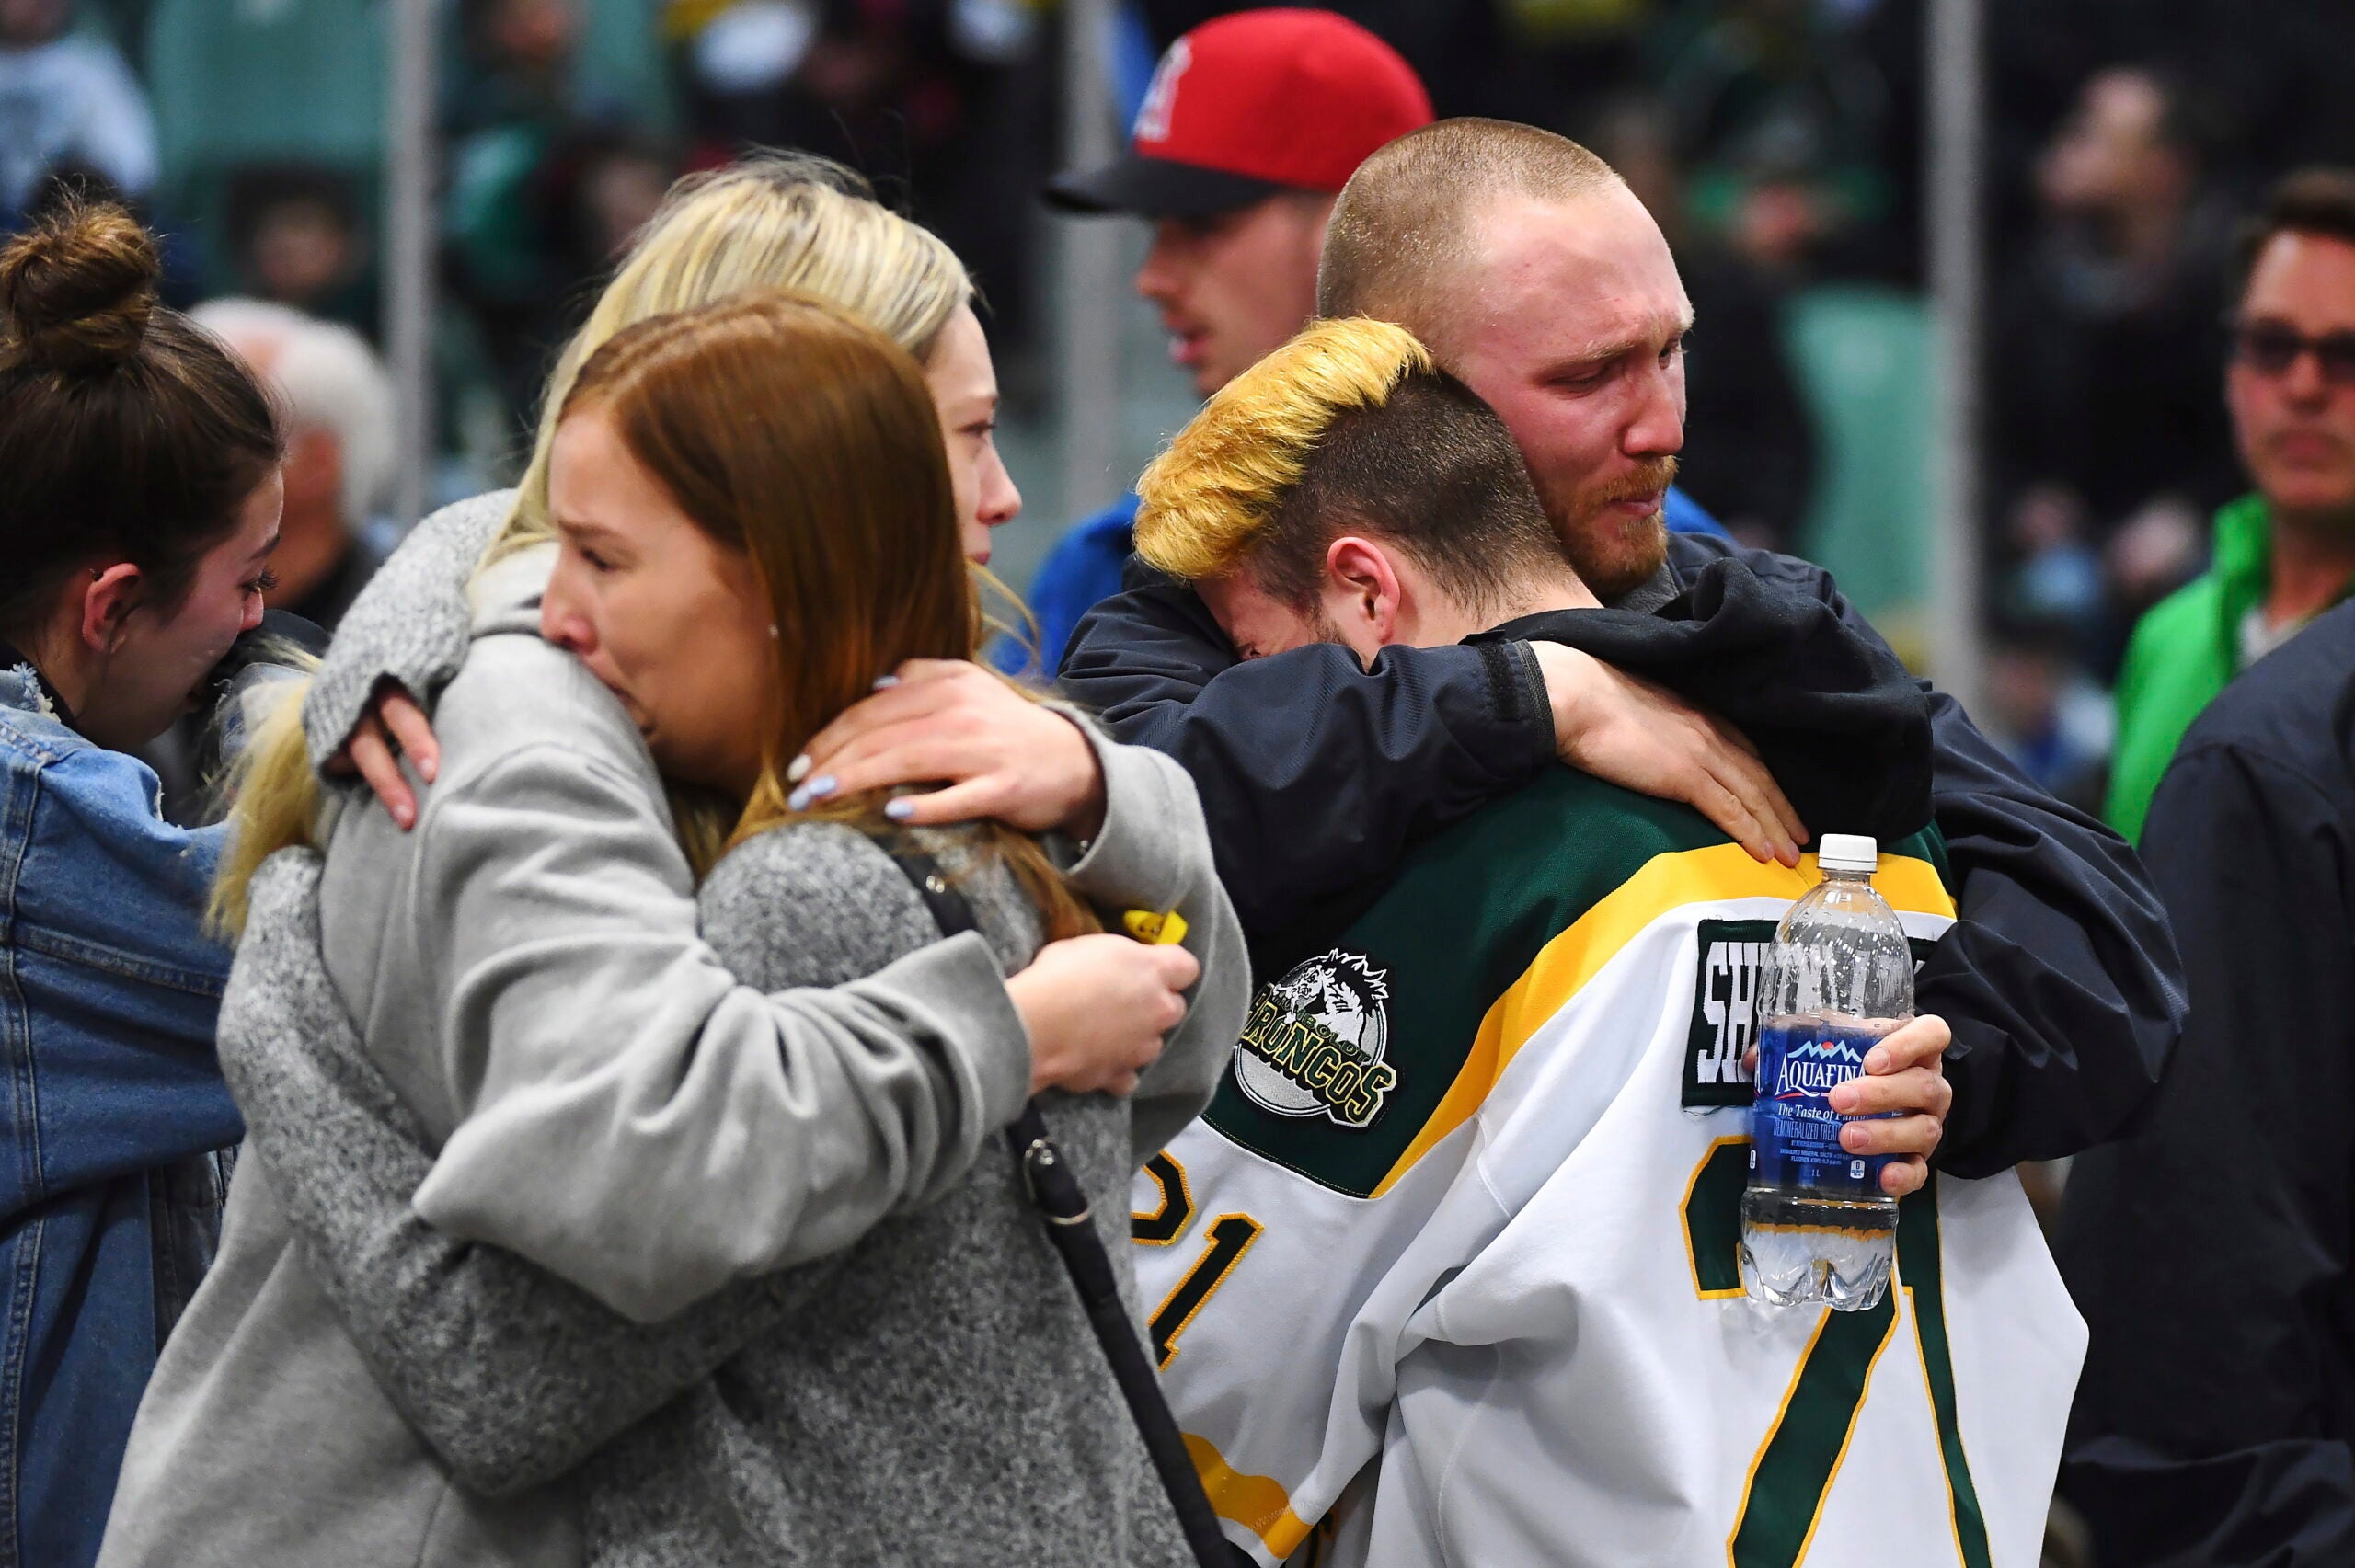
(1487, 1115)
(1540, 282)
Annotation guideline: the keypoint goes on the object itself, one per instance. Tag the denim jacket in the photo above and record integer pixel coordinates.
(110, 1193)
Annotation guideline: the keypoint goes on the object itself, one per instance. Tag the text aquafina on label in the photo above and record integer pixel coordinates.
(1815, 1224)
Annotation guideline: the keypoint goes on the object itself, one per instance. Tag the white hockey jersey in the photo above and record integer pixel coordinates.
(1461, 1225)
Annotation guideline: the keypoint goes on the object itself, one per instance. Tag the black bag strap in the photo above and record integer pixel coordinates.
(1055, 1193)
(950, 909)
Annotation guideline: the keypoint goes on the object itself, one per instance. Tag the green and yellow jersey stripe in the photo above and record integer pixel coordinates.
(1488, 930)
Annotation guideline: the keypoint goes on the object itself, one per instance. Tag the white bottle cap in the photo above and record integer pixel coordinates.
(1847, 852)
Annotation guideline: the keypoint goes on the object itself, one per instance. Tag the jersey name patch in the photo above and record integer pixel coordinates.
(1727, 994)
(1728, 1002)
(1314, 1042)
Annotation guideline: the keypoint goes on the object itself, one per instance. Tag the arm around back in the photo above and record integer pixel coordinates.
(1377, 759)
(1374, 759)
(634, 1118)
(511, 1375)
(527, 971)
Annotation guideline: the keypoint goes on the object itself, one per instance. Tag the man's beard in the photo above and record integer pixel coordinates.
(1613, 554)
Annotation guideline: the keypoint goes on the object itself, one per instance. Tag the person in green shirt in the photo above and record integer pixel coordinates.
(2287, 552)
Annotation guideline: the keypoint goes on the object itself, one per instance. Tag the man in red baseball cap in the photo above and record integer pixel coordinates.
(1253, 123)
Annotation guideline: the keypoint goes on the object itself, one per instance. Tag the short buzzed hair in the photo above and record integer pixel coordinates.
(1348, 427)
(1402, 227)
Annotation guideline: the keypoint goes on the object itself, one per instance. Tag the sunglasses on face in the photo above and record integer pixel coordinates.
(2270, 349)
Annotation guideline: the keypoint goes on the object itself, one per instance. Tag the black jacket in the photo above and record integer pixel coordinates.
(1838, 722)
(2211, 1253)
(2062, 983)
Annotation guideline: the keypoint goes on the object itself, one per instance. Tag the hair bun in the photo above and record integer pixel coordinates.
(76, 290)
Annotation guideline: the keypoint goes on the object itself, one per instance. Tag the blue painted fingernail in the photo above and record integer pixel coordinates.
(798, 801)
(900, 810)
(885, 682)
(819, 787)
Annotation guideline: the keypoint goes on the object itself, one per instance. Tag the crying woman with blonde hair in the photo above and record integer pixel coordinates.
(616, 1195)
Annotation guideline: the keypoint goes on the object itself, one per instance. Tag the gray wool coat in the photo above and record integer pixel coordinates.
(865, 1351)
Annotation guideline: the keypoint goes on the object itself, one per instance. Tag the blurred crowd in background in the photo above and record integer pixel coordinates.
(1777, 140)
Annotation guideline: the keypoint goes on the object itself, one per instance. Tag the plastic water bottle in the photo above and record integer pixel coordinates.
(1815, 1225)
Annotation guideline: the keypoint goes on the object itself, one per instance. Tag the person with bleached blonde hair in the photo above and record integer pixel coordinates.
(1236, 485)
(556, 1073)
(1488, 1110)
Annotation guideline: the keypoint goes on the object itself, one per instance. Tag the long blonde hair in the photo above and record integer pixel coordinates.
(784, 221)
(789, 432)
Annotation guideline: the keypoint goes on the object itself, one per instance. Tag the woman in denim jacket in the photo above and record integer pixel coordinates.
(139, 503)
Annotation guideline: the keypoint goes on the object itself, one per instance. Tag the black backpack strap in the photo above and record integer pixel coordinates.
(950, 911)
(1055, 1193)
